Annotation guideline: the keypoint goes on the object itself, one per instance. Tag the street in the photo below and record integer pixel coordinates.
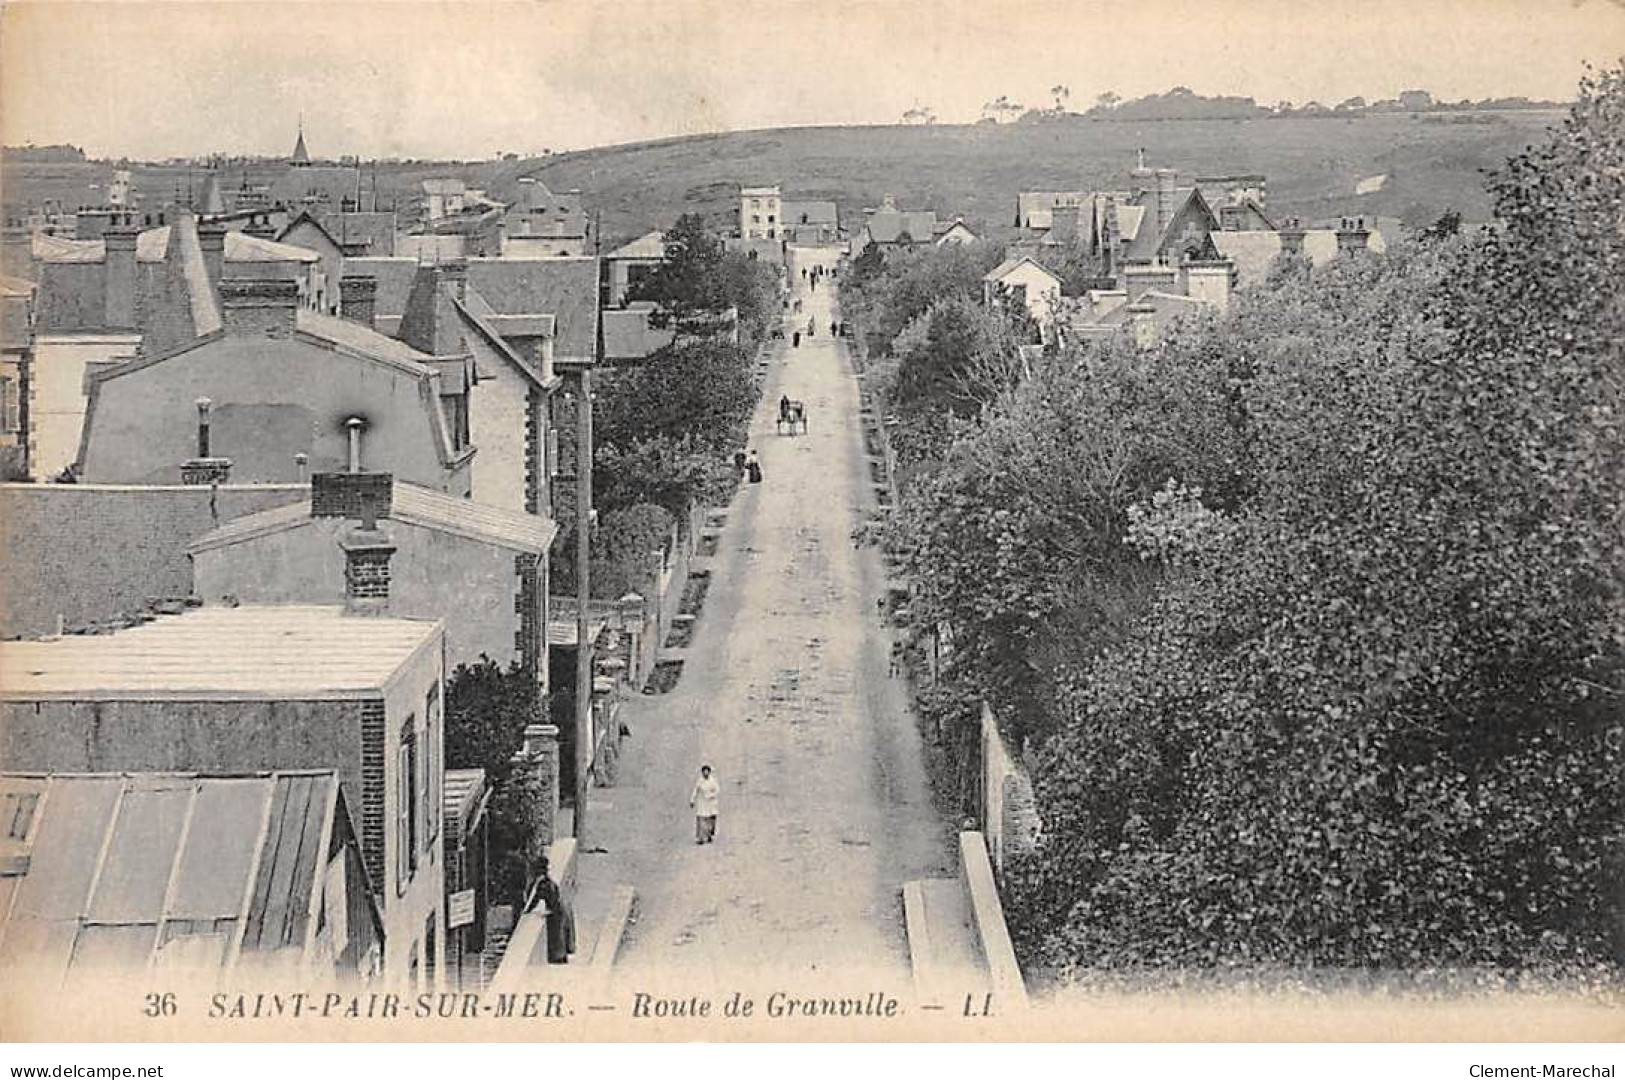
(825, 810)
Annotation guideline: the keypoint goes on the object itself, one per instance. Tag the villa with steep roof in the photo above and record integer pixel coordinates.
(275, 393)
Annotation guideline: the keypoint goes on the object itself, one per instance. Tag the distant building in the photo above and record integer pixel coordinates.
(1022, 279)
(761, 213)
(443, 197)
(283, 688)
(630, 263)
(955, 232)
(545, 223)
(247, 874)
(811, 222)
(891, 229)
(16, 355)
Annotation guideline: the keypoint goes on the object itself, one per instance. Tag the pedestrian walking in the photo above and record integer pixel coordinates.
(739, 462)
(704, 801)
(832, 332)
(896, 668)
(754, 468)
(795, 340)
(557, 916)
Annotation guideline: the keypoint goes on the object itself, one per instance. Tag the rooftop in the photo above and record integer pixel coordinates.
(124, 870)
(413, 505)
(276, 652)
(651, 245)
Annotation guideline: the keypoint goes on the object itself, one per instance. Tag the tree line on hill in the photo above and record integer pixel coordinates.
(1309, 618)
(1182, 103)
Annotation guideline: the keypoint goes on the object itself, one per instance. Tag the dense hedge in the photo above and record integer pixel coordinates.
(1349, 694)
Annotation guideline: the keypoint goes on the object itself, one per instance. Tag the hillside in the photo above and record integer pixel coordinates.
(1433, 163)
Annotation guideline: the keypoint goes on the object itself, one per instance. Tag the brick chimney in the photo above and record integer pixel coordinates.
(1292, 237)
(120, 278)
(1165, 199)
(1352, 236)
(454, 272)
(259, 306)
(211, 237)
(358, 298)
(341, 494)
(367, 551)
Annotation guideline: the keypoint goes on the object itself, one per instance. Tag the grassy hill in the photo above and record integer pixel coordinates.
(1434, 162)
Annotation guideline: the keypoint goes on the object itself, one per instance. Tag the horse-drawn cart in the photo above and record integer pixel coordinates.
(791, 414)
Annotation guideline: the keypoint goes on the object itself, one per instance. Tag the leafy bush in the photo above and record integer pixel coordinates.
(1378, 726)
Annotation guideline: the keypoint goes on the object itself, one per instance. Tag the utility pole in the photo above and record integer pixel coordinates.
(583, 599)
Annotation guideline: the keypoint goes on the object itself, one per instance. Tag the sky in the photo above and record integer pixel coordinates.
(461, 79)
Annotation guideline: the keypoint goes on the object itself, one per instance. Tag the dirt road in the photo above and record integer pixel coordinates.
(825, 810)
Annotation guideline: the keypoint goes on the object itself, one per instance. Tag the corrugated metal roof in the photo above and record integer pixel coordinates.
(413, 505)
(119, 870)
(276, 652)
(461, 795)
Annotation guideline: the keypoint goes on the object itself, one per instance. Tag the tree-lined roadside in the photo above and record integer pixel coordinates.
(1309, 615)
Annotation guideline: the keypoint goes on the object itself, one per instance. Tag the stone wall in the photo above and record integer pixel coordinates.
(1009, 812)
(92, 553)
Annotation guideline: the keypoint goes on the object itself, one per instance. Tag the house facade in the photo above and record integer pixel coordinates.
(277, 393)
(482, 569)
(761, 213)
(284, 688)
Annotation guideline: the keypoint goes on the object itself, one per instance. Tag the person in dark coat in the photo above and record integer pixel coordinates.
(754, 467)
(559, 919)
(796, 339)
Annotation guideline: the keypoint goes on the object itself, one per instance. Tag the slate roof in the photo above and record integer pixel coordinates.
(316, 184)
(273, 652)
(628, 334)
(1252, 251)
(363, 341)
(373, 233)
(564, 288)
(817, 211)
(394, 274)
(889, 226)
(123, 870)
(414, 505)
(430, 323)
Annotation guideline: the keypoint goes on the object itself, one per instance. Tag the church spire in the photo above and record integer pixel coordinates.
(301, 156)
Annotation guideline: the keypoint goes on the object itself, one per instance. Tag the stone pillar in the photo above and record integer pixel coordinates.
(538, 758)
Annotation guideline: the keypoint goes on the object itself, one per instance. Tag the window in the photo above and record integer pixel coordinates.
(433, 780)
(406, 804)
(770, 219)
(17, 813)
(8, 406)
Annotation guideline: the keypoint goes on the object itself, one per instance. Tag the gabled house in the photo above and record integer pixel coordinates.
(891, 229)
(630, 263)
(480, 568)
(1022, 279)
(275, 393)
(810, 221)
(545, 223)
(955, 232)
(246, 874)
